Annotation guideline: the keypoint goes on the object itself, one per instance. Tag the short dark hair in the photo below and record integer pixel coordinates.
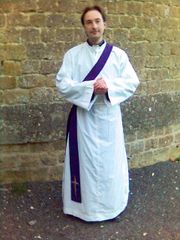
(95, 7)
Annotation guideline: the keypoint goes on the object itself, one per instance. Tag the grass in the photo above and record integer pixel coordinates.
(177, 158)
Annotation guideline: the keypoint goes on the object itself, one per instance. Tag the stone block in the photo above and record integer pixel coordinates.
(13, 35)
(30, 66)
(48, 35)
(149, 9)
(55, 173)
(152, 114)
(136, 34)
(3, 40)
(6, 6)
(127, 21)
(134, 8)
(2, 20)
(70, 5)
(33, 123)
(17, 20)
(148, 22)
(36, 51)
(50, 6)
(60, 33)
(144, 133)
(37, 20)
(168, 85)
(7, 82)
(11, 68)
(165, 141)
(137, 147)
(7, 161)
(16, 96)
(24, 6)
(30, 35)
(48, 67)
(15, 52)
(121, 7)
(113, 21)
(39, 94)
(55, 20)
(177, 137)
(161, 154)
(121, 36)
(151, 144)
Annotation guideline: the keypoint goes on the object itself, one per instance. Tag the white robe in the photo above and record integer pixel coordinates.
(102, 155)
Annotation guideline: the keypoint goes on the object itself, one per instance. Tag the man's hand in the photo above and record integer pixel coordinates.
(100, 86)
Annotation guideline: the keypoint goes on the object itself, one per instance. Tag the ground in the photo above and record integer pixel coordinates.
(34, 210)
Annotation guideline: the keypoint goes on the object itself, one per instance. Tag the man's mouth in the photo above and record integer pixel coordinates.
(94, 32)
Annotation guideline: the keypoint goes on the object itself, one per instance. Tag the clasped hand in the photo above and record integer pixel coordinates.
(100, 86)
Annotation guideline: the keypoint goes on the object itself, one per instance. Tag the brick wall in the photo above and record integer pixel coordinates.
(35, 34)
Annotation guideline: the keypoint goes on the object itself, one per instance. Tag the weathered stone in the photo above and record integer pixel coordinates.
(48, 35)
(37, 20)
(24, 6)
(165, 141)
(7, 161)
(39, 95)
(149, 9)
(152, 114)
(7, 82)
(30, 66)
(161, 154)
(36, 51)
(12, 35)
(11, 68)
(55, 20)
(17, 19)
(49, 6)
(31, 81)
(134, 8)
(151, 144)
(30, 35)
(16, 96)
(48, 66)
(15, 52)
(33, 123)
(177, 138)
(127, 21)
(137, 146)
(148, 22)
(60, 33)
(113, 20)
(2, 20)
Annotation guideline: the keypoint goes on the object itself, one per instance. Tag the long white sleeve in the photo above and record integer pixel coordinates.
(73, 90)
(122, 87)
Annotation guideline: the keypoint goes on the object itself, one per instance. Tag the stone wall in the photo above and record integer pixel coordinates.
(35, 34)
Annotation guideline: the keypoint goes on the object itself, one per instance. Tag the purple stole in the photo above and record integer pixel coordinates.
(72, 130)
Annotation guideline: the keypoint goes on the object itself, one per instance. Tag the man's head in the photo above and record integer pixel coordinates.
(93, 20)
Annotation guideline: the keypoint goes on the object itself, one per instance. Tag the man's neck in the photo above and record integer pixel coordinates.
(100, 43)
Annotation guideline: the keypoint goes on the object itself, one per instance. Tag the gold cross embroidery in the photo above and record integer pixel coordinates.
(75, 184)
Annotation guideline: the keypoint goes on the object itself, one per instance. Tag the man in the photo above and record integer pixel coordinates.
(95, 77)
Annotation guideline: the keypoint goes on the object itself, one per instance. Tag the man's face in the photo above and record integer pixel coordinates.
(94, 26)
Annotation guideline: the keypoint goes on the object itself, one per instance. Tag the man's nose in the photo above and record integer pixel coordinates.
(94, 24)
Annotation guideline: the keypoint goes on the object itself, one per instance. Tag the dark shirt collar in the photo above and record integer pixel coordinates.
(100, 44)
